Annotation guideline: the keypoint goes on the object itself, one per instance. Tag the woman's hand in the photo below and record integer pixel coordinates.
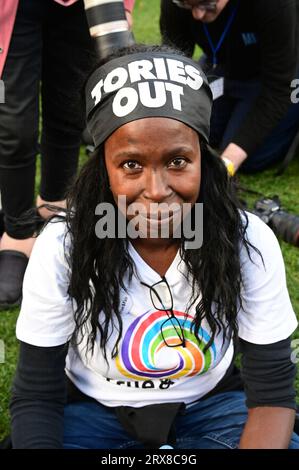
(235, 154)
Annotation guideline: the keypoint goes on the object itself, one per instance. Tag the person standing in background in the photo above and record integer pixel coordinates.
(45, 49)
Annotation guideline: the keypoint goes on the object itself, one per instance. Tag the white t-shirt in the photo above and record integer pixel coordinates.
(146, 371)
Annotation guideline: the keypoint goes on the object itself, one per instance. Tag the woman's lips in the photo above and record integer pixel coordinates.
(162, 218)
(159, 215)
(157, 219)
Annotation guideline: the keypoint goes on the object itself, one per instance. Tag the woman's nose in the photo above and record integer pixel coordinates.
(157, 189)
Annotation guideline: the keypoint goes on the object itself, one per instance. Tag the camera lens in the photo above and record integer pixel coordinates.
(108, 25)
(286, 226)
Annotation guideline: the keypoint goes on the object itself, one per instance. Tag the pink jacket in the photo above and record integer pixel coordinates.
(8, 11)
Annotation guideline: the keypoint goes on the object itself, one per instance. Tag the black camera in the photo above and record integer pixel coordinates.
(108, 25)
(283, 224)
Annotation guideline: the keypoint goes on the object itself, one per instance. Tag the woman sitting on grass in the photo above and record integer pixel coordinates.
(144, 319)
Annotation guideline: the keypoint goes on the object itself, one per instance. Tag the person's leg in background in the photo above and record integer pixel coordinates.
(19, 146)
(221, 112)
(275, 146)
(223, 106)
(58, 37)
(68, 58)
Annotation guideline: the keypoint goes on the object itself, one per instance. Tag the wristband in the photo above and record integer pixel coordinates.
(229, 166)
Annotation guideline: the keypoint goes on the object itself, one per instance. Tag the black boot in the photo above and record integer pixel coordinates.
(12, 269)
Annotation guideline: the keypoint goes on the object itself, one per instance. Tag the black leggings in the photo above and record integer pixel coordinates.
(50, 56)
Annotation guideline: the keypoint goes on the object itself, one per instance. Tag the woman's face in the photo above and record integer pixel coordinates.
(154, 160)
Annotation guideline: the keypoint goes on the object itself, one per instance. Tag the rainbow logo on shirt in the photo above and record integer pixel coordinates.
(144, 354)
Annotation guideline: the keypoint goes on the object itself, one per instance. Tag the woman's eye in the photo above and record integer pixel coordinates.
(178, 162)
(132, 165)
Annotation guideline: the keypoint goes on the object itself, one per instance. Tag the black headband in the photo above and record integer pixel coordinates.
(143, 85)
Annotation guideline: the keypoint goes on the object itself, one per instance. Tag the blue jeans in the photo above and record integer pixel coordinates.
(214, 423)
(230, 110)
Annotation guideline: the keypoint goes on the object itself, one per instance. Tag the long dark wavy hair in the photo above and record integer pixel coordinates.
(98, 266)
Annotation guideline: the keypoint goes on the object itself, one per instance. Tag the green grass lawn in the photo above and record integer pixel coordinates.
(146, 30)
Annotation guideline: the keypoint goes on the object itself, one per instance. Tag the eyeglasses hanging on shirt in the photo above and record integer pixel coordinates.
(162, 300)
(171, 329)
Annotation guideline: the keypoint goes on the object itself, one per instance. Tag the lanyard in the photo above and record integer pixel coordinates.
(216, 48)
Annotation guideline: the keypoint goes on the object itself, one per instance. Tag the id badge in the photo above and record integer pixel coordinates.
(217, 87)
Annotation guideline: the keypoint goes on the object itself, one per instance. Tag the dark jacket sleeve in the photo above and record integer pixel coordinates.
(268, 374)
(277, 37)
(175, 27)
(38, 398)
